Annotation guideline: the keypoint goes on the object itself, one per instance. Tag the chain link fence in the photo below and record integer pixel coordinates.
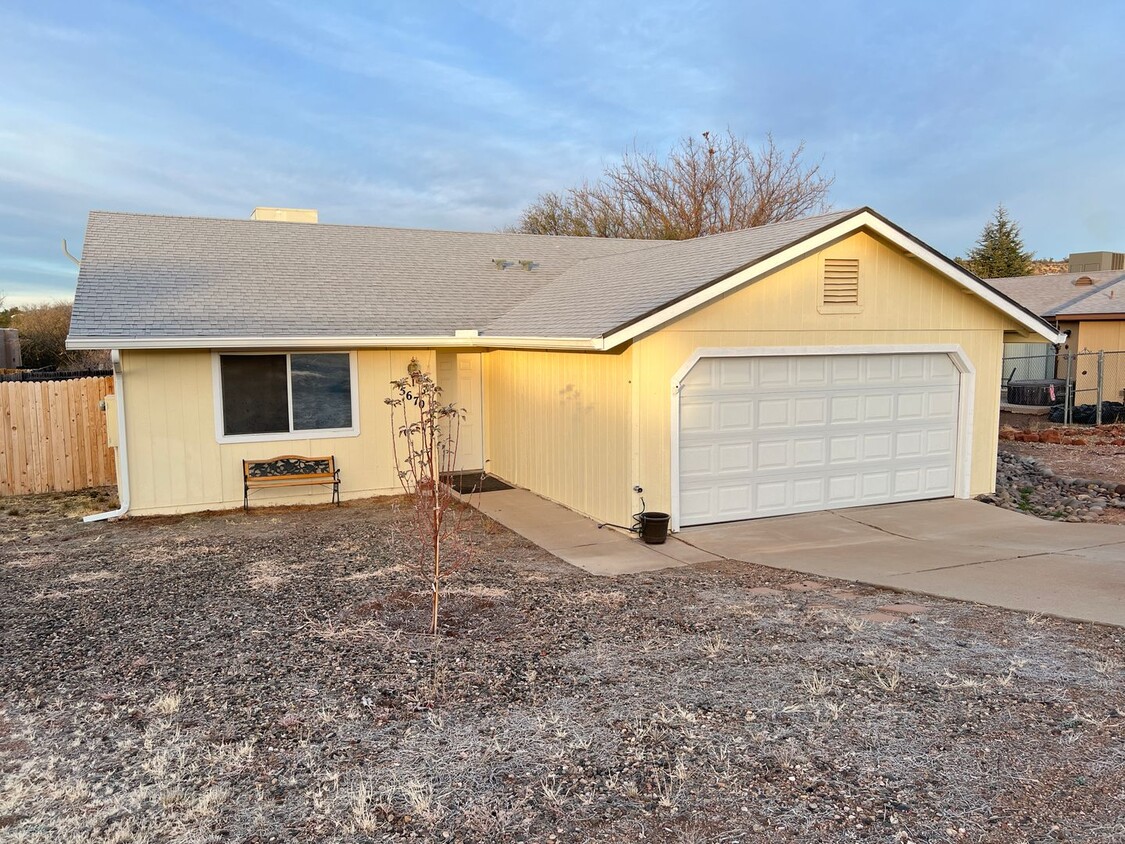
(1086, 388)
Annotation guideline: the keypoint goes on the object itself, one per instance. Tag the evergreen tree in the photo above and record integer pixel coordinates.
(999, 251)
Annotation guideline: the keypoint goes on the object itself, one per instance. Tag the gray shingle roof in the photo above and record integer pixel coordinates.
(596, 296)
(150, 277)
(145, 276)
(1057, 295)
(1105, 299)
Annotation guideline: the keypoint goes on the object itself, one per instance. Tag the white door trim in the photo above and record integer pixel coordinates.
(966, 391)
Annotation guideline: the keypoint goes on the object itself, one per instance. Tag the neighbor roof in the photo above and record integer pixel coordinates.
(154, 281)
(1058, 295)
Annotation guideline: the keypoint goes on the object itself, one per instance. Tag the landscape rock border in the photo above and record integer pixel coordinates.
(1028, 485)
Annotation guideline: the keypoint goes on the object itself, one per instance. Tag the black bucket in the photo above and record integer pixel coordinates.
(654, 528)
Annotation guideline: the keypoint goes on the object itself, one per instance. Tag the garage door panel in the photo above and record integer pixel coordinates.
(908, 444)
(774, 454)
(879, 407)
(843, 449)
(734, 499)
(879, 369)
(696, 416)
(830, 431)
(842, 488)
(810, 410)
(697, 460)
(809, 452)
(942, 405)
(913, 368)
(811, 372)
(940, 441)
(774, 372)
(908, 481)
(774, 413)
(808, 491)
(845, 409)
(877, 446)
(696, 504)
(734, 457)
(736, 416)
(738, 373)
(846, 369)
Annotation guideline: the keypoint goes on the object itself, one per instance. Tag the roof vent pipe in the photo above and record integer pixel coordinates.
(285, 215)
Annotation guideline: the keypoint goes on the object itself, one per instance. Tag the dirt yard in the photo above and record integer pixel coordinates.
(1075, 451)
(262, 678)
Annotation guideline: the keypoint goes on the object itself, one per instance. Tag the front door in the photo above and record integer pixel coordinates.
(459, 376)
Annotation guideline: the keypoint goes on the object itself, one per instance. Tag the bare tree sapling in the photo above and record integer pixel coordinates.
(425, 434)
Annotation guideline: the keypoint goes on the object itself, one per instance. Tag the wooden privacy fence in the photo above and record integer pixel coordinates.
(53, 436)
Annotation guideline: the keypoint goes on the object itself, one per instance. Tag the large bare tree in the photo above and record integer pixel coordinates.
(702, 186)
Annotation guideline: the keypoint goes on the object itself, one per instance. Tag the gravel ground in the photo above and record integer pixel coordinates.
(263, 678)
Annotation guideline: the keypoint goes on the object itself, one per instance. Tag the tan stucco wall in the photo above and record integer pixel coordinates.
(177, 465)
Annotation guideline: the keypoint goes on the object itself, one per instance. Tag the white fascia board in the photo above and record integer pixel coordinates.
(965, 279)
(555, 343)
(862, 220)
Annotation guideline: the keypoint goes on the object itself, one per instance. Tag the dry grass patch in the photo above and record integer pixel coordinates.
(270, 679)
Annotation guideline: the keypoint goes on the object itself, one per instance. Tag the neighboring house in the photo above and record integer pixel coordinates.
(828, 362)
(1090, 308)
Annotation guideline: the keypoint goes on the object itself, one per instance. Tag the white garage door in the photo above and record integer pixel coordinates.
(765, 436)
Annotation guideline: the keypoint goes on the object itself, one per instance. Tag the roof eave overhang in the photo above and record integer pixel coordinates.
(862, 219)
(352, 342)
(1090, 317)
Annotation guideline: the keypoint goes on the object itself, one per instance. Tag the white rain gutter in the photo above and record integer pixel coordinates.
(122, 450)
(462, 340)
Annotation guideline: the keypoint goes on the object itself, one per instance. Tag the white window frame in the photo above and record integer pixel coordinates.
(291, 435)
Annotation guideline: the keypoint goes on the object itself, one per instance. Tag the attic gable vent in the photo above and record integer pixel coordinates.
(841, 281)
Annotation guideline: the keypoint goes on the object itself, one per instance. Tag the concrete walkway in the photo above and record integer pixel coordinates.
(578, 541)
(952, 548)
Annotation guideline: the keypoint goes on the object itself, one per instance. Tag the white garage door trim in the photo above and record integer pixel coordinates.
(966, 392)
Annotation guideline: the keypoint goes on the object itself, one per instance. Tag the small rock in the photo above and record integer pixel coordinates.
(903, 609)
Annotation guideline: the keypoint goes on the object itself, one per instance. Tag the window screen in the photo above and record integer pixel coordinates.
(255, 396)
(322, 391)
(262, 393)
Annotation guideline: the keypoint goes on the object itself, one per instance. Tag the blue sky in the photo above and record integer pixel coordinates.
(456, 115)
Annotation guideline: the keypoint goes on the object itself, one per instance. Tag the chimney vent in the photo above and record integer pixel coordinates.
(285, 215)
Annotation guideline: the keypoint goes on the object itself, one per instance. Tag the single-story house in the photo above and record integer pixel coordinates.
(1089, 307)
(827, 362)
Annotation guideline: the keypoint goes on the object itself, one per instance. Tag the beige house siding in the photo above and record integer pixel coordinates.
(560, 423)
(176, 464)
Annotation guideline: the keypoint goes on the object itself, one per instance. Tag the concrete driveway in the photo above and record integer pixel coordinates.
(952, 548)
